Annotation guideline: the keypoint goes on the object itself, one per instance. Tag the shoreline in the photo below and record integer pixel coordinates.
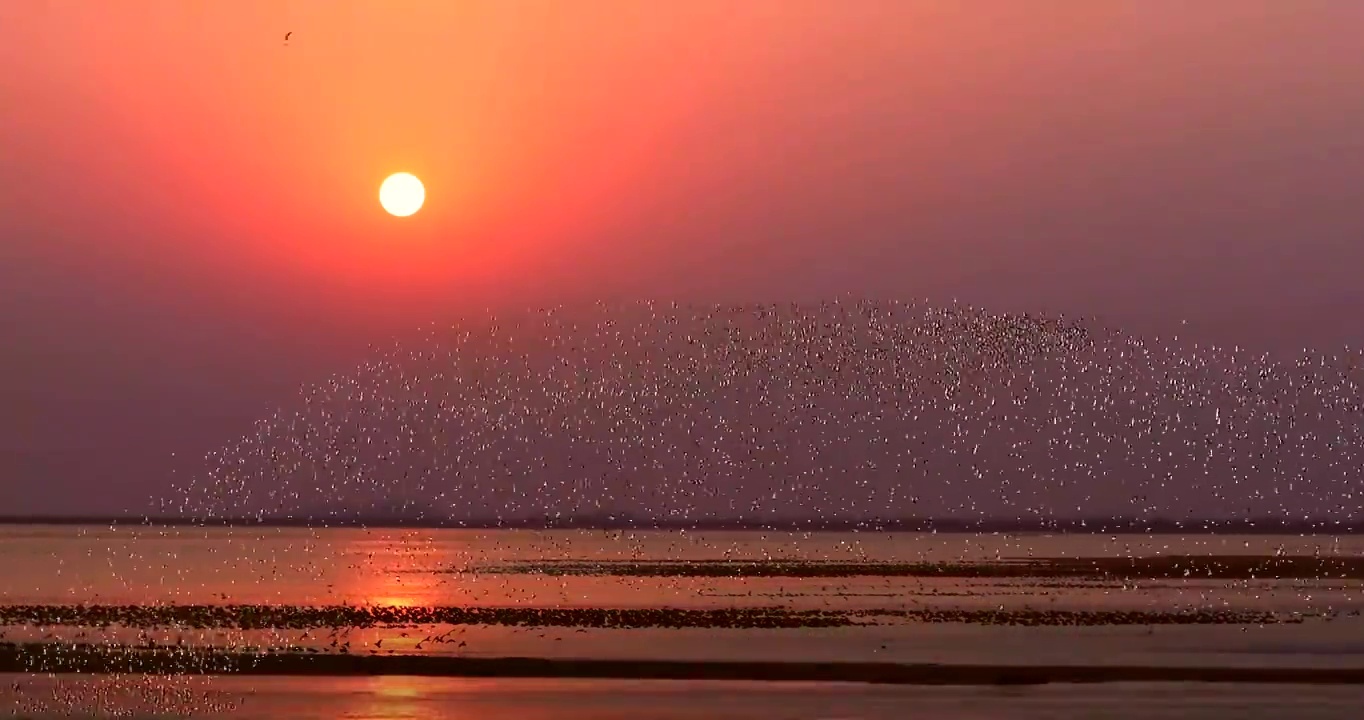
(64, 659)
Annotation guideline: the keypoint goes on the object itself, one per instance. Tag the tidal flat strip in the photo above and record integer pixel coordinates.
(284, 617)
(211, 634)
(110, 660)
(1192, 567)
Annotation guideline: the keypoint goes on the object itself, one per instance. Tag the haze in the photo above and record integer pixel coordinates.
(189, 227)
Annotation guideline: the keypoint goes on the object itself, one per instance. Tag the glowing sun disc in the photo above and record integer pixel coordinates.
(402, 194)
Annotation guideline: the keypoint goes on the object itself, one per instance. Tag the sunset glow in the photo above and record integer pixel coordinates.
(189, 191)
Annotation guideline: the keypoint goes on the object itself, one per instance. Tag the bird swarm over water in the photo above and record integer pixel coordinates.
(847, 410)
(839, 410)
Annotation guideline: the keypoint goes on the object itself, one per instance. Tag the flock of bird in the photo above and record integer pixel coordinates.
(842, 410)
(834, 411)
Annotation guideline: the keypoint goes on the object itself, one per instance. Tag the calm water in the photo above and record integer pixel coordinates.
(49, 564)
(396, 698)
(100, 565)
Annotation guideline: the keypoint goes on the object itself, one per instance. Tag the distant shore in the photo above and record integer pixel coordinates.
(1107, 526)
(40, 658)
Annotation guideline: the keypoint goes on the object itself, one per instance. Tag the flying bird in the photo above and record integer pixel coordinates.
(286, 35)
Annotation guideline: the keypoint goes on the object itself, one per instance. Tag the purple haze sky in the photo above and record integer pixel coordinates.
(188, 226)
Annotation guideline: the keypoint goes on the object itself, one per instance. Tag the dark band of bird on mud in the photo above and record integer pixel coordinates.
(294, 617)
(1193, 567)
(102, 660)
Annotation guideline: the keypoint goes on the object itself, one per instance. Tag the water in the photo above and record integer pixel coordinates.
(226, 567)
(417, 569)
(394, 698)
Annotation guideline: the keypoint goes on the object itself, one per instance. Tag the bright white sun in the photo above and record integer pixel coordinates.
(402, 194)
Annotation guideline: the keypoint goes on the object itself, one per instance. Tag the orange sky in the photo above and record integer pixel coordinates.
(189, 222)
(558, 140)
(533, 124)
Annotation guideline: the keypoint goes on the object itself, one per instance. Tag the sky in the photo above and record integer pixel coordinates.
(189, 225)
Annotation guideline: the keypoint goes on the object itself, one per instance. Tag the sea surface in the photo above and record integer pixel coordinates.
(46, 566)
(399, 698)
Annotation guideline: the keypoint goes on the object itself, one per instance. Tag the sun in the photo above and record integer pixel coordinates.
(402, 194)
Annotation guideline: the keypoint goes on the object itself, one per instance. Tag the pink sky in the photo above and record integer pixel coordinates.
(189, 216)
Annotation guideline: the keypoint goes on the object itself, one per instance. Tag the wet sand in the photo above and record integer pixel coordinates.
(1205, 567)
(103, 659)
(286, 617)
(61, 697)
(977, 616)
(1055, 573)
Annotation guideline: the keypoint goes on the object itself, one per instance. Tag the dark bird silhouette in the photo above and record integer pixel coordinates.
(286, 35)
